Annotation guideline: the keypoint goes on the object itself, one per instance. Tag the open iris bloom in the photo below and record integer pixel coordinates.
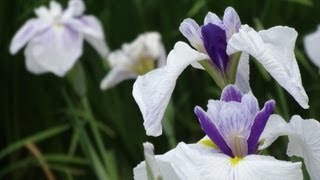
(142, 55)
(55, 38)
(217, 44)
(236, 130)
(311, 44)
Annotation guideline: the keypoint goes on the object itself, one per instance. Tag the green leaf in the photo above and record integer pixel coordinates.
(197, 6)
(168, 125)
(303, 2)
(33, 139)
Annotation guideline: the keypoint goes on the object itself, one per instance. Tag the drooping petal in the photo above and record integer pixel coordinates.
(31, 64)
(88, 25)
(311, 45)
(231, 22)
(26, 32)
(260, 121)
(115, 76)
(56, 50)
(276, 127)
(191, 30)
(211, 130)
(266, 167)
(304, 141)
(274, 49)
(231, 93)
(92, 29)
(153, 90)
(196, 162)
(98, 44)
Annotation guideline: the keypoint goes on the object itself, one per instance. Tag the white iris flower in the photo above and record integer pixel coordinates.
(142, 55)
(236, 130)
(215, 42)
(55, 38)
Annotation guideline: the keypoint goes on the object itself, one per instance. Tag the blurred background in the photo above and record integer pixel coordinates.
(53, 129)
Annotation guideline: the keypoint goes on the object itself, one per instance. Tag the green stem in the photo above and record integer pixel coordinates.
(95, 130)
(217, 77)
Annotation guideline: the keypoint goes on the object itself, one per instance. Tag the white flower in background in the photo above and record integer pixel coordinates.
(311, 45)
(55, 38)
(142, 55)
(236, 129)
(215, 42)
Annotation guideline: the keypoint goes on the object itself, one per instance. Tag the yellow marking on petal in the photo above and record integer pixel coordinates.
(235, 161)
(208, 142)
(144, 65)
(58, 26)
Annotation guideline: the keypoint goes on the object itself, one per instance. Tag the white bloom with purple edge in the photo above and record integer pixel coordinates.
(142, 55)
(216, 42)
(54, 39)
(236, 129)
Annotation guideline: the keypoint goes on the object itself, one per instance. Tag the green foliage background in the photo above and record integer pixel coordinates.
(31, 104)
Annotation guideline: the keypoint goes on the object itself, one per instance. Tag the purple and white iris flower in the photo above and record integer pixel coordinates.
(217, 44)
(142, 55)
(236, 130)
(55, 38)
(311, 44)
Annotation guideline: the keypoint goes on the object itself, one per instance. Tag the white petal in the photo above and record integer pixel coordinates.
(274, 49)
(31, 64)
(254, 167)
(243, 74)
(305, 142)
(56, 50)
(75, 7)
(197, 162)
(212, 18)
(153, 90)
(25, 33)
(276, 127)
(154, 47)
(147, 45)
(98, 44)
(311, 45)
(119, 58)
(92, 29)
(152, 166)
(191, 30)
(88, 25)
(55, 9)
(115, 76)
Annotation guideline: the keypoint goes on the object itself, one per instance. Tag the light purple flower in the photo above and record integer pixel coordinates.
(235, 122)
(55, 38)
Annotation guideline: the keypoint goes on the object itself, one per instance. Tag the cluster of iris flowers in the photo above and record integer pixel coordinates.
(236, 128)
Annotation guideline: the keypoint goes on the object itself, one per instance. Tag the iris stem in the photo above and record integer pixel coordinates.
(214, 73)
